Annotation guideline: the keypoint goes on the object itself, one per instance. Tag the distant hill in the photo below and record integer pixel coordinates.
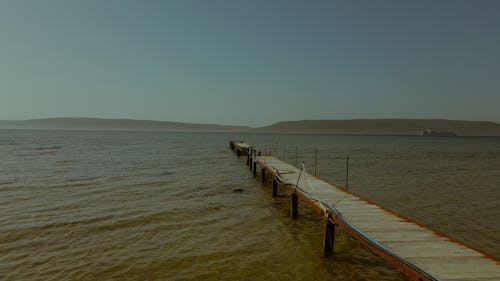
(386, 127)
(354, 126)
(114, 124)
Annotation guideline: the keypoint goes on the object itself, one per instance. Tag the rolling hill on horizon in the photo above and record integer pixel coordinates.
(112, 124)
(386, 127)
(350, 126)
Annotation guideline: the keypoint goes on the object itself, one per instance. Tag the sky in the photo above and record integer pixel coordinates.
(250, 62)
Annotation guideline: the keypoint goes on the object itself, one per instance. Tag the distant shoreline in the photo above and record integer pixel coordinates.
(369, 127)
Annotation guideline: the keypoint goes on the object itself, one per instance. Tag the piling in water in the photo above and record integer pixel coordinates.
(329, 240)
(275, 187)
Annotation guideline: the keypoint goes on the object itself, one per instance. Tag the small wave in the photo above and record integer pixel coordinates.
(80, 179)
(114, 178)
(68, 185)
(67, 162)
(128, 176)
(38, 153)
(54, 147)
(6, 182)
(40, 148)
(159, 183)
(60, 171)
(7, 142)
(165, 173)
(28, 232)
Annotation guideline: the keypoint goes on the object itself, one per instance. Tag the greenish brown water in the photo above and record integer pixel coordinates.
(82, 205)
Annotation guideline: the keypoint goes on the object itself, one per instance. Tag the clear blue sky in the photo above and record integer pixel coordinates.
(250, 62)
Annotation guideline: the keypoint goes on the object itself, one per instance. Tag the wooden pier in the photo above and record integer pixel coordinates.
(417, 251)
(239, 147)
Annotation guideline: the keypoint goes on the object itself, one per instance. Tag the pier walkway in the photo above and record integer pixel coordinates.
(419, 252)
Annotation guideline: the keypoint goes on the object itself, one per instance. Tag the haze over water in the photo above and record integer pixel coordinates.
(89, 205)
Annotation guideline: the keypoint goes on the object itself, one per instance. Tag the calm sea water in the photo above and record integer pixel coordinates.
(83, 205)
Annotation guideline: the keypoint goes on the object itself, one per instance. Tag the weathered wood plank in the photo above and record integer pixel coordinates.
(431, 249)
(459, 267)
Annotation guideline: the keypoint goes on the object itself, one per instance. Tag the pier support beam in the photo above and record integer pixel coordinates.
(294, 206)
(255, 168)
(263, 175)
(275, 187)
(329, 239)
(250, 163)
(248, 159)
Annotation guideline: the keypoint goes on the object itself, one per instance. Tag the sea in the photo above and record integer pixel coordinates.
(134, 205)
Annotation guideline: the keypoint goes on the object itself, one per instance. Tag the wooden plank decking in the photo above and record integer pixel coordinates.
(419, 252)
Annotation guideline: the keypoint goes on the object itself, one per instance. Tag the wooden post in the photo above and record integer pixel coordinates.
(275, 187)
(263, 175)
(238, 152)
(329, 240)
(293, 206)
(255, 168)
(250, 163)
(248, 159)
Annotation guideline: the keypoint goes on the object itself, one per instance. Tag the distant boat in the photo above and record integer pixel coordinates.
(431, 133)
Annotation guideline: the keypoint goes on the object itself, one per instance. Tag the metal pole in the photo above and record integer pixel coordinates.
(265, 155)
(347, 174)
(315, 160)
(284, 153)
(296, 163)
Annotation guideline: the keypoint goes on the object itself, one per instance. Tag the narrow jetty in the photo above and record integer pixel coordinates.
(416, 250)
